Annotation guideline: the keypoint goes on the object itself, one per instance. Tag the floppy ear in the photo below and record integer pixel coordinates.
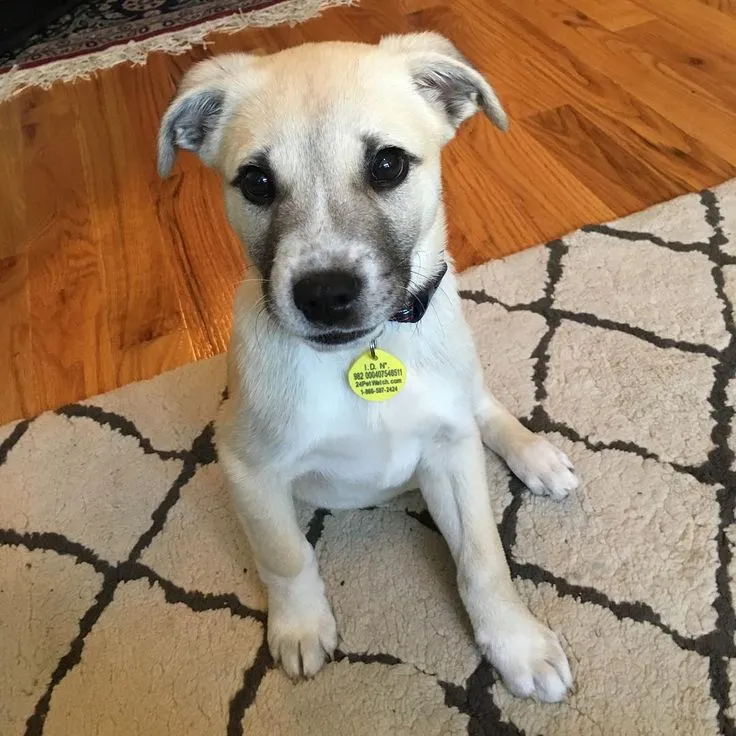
(446, 78)
(195, 119)
(189, 124)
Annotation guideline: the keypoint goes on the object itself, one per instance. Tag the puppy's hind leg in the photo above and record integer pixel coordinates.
(538, 464)
(301, 628)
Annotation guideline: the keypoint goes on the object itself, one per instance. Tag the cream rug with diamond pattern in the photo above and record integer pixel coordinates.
(129, 603)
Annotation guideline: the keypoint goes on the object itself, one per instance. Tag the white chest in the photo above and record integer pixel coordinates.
(355, 452)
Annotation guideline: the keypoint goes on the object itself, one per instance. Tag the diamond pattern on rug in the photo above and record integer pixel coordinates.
(611, 279)
(202, 545)
(729, 285)
(508, 366)
(731, 405)
(629, 390)
(43, 595)
(118, 495)
(392, 695)
(126, 668)
(130, 603)
(673, 518)
(518, 280)
(181, 416)
(422, 628)
(727, 202)
(639, 681)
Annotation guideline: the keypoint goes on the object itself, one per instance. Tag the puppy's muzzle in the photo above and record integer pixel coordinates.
(328, 298)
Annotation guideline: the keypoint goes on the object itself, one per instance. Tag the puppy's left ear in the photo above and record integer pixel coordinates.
(446, 78)
(197, 116)
(189, 124)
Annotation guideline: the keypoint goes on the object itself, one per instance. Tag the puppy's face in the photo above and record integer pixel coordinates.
(330, 158)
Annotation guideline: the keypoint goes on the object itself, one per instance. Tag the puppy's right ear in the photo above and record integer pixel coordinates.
(196, 118)
(446, 79)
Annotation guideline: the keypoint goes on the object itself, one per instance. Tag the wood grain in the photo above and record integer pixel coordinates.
(726, 6)
(710, 66)
(613, 15)
(109, 275)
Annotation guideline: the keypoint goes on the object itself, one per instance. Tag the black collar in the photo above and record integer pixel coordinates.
(419, 302)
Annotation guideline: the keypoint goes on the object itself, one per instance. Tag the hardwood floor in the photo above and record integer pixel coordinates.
(109, 275)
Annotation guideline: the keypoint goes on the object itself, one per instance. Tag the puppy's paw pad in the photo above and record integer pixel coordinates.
(531, 662)
(543, 469)
(302, 644)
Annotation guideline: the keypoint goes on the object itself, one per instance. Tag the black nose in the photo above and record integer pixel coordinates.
(327, 297)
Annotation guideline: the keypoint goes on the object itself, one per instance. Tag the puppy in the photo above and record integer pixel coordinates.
(352, 373)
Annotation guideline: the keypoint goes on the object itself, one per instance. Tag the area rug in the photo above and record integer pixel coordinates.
(97, 35)
(129, 602)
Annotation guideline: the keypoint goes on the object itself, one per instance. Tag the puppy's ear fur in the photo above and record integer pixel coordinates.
(446, 78)
(196, 117)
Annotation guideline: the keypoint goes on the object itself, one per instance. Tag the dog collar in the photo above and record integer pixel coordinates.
(419, 302)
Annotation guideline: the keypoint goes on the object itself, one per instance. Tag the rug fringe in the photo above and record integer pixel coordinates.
(176, 42)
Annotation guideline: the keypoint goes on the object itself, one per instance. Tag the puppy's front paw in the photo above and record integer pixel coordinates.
(541, 467)
(529, 658)
(302, 639)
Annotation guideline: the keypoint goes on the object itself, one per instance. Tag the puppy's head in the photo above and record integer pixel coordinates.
(330, 159)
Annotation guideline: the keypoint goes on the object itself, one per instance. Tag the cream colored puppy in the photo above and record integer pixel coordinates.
(330, 161)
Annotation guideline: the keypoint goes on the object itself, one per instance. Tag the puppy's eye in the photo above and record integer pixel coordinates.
(389, 168)
(256, 185)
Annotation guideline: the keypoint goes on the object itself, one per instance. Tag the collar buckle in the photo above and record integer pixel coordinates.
(418, 304)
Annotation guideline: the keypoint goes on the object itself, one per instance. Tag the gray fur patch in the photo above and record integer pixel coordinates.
(188, 124)
(460, 90)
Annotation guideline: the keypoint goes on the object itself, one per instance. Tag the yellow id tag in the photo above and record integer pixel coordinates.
(377, 375)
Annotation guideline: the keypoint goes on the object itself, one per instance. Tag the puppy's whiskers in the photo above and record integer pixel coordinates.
(262, 309)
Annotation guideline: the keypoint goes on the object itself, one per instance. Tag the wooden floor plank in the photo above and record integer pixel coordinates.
(476, 27)
(108, 275)
(68, 325)
(706, 22)
(725, 6)
(618, 177)
(19, 398)
(704, 64)
(16, 364)
(683, 158)
(613, 15)
(549, 201)
(612, 55)
(142, 303)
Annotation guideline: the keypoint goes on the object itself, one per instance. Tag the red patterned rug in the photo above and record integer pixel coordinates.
(96, 35)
